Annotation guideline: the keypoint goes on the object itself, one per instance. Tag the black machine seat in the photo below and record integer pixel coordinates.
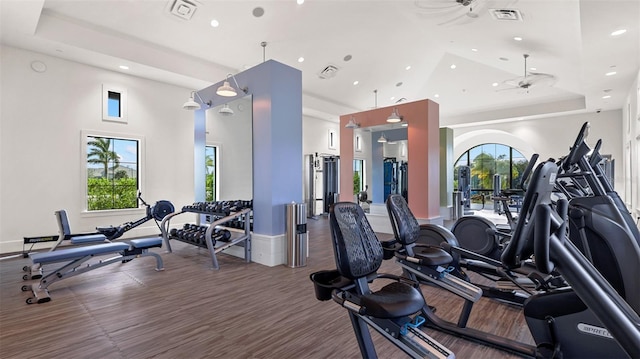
(394, 300)
(432, 256)
(359, 254)
(406, 230)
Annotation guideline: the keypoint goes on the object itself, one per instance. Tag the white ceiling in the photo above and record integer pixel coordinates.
(569, 39)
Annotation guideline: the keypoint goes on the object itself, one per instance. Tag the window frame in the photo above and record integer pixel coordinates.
(85, 134)
(216, 183)
(467, 156)
(363, 175)
(106, 89)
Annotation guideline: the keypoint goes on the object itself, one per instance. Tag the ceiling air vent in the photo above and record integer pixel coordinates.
(184, 9)
(328, 72)
(506, 14)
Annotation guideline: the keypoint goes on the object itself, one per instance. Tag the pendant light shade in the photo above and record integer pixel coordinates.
(382, 139)
(352, 123)
(226, 110)
(226, 90)
(191, 103)
(394, 118)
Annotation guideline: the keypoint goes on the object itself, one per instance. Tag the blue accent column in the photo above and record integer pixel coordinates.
(277, 141)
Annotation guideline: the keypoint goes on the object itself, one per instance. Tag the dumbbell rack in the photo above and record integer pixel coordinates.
(213, 247)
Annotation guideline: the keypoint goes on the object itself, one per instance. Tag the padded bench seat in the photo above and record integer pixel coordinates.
(88, 238)
(74, 253)
(146, 242)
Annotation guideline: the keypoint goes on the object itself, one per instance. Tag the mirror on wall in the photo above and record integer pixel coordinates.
(385, 164)
(229, 151)
(395, 167)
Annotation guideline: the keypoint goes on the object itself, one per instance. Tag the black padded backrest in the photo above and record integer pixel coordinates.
(63, 223)
(405, 225)
(357, 250)
(539, 191)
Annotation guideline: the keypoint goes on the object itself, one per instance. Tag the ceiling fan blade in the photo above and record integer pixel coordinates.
(453, 20)
(436, 5)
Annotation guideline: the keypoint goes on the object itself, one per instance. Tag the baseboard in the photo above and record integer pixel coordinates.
(266, 250)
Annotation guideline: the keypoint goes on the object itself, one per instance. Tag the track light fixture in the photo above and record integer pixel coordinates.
(191, 103)
(382, 139)
(394, 118)
(352, 123)
(227, 90)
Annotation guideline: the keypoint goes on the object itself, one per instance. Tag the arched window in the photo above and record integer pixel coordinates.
(489, 159)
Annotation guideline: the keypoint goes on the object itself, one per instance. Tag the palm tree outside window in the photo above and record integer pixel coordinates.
(112, 173)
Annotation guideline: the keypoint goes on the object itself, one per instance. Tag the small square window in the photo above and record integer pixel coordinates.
(114, 103)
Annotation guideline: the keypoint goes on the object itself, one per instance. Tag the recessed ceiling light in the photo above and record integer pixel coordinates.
(453, 66)
(533, 68)
(347, 58)
(356, 82)
(399, 84)
(495, 84)
(392, 98)
(408, 67)
(436, 95)
(300, 59)
(606, 96)
(300, 2)
(503, 58)
(474, 50)
(618, 32)
(610, 73)
(124, 67)
(517, 38)
(215, 23)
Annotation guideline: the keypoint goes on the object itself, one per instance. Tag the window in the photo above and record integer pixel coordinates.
(211, 164)
(114, 103)
(487, 160)
(113, 106)
(112, 172)
(332, 139)
(358, 176)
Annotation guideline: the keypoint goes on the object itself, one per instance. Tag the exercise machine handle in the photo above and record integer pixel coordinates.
(575, 153)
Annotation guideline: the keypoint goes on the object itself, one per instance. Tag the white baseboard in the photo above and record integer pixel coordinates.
(266, 250)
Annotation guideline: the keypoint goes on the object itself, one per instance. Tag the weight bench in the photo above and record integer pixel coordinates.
(64, 233)
(72, 258)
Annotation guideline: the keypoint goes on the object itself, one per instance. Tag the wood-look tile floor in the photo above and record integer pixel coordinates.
(243, 310)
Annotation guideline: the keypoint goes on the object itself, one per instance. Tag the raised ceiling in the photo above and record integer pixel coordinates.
(569, 39)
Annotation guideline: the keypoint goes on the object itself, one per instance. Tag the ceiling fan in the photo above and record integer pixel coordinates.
(457, 12)
(530, 79)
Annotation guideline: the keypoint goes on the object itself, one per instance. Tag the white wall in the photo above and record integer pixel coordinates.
(549, 137)
(41, 154)
(631, 148)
